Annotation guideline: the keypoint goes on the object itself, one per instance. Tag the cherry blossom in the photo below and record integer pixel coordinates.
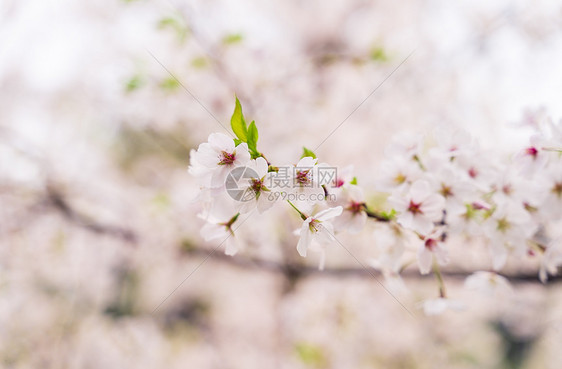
(451, 183)
(451, 143)
(221, 230)
(488, 283)
(432, 246)
(440, 305)
(448, 189)
(507, 230)
(532, 158)
(418, 208)
(255, 190)
(405, 145)
(390, 242)
(317, 228)
(551, 191)
(342, 180)
(551, 260)
(398, 173)
(353, 217)
(214, 159)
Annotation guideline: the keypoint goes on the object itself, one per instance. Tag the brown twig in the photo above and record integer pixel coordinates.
(301, 270)
(58, 202)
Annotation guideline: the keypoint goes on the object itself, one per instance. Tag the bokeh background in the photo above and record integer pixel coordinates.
(100, 252)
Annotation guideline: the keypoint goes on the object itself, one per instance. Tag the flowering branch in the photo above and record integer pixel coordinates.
(439, 195)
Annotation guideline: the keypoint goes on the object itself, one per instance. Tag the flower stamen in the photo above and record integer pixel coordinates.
(227, 158)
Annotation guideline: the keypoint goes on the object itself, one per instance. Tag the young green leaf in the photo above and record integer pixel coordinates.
(238, 123)
(253, 139)
(353, 181)
(306, 152)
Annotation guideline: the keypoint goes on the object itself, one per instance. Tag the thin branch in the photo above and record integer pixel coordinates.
(301, 270)
(58, 202)
(290, 269)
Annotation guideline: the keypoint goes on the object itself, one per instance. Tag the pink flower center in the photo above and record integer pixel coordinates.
(257, 186)
(507, 189)
(355, 207)
(503, 225)
(532, 152)
(472, 172)
(339, 182)
(227, 158)
(446, 190)
(400, 178)
(414, 207)
(313, 225)
(302, 177)
(430, 244)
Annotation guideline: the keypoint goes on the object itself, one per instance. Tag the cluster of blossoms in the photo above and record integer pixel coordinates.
(441, 189)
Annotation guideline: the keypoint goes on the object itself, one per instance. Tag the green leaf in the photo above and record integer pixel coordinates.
(238, 123)
(306, 152)
(311, 355)
(232, 38)
(176, 24)
(237, 141)
(390, 215)
(199, 62)
(253, 139)
(378, 54)
(353, 181)
(134, 83)
(170, 84)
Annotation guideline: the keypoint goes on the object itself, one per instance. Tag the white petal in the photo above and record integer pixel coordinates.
(398, 201)
(356, 193)
(265, 201)
(304, 241)
(406, 220)
(424, 260)
(433, 207)
(221, 142)
(212, 231)
(261, 167)
(329, 213)
(207, 156)
(421, 224)
(357, 223)
(307, 162)
(242, 155)
(325, 233)
(435, 306)
(219, 176)
(231, 247)
(419, 191)
(441, 255)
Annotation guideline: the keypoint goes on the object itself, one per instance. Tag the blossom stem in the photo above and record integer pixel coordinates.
(263, 156)
(552, 149)
(418, 160)
(381, 217)
(232, 220)
(536, 246)
(439, 277)
(303, 216)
